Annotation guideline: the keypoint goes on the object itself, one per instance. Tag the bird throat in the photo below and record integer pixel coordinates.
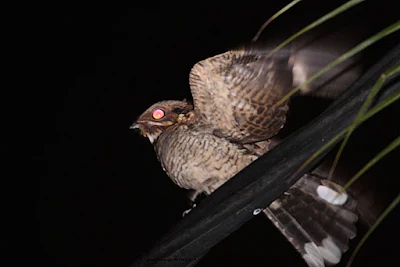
(153, 136)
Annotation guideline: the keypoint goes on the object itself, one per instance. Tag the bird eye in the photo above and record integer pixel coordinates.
(158, 114)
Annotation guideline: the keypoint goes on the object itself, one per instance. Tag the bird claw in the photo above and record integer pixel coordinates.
(193, 194)
(188, 210)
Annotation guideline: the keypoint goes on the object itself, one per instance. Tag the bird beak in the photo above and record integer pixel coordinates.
(134, 126)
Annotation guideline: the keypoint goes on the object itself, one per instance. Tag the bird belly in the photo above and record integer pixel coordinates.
(200, 161)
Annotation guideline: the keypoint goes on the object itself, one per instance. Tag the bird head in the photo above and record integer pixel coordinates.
(161, 116)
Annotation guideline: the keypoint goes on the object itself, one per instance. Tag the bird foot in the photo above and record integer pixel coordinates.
(188, 210)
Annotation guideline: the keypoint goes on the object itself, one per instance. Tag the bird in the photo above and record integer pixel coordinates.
(232, 121)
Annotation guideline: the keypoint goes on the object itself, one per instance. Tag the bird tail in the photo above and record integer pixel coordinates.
(316, 219)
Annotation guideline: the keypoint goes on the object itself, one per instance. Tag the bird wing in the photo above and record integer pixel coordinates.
(318, 224)
(235, 93)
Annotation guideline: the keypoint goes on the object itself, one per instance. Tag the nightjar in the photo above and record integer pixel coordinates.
(230, 124)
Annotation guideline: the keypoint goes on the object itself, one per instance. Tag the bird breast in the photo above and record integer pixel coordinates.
(199, 160)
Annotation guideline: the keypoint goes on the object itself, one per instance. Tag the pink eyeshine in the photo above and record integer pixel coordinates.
(158, 114)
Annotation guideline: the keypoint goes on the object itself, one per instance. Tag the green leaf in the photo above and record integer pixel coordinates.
(277, 14)
(372, 229)
(367, 103)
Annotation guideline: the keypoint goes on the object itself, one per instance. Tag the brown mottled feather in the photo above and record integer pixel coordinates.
(197, 159)
(234, 93)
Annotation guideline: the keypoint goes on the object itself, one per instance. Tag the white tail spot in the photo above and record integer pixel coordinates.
(312, 257)
(330, 251)
(331, 195)
(317, 256)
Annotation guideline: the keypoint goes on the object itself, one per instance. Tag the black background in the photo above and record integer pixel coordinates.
(104, 198)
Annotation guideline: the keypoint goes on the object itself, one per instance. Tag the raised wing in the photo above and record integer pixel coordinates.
(316, 221)
(235, 92)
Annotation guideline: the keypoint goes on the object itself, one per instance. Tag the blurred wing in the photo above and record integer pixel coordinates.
(332, 83)
(234, 93)
(312, 52)
(318, 224)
